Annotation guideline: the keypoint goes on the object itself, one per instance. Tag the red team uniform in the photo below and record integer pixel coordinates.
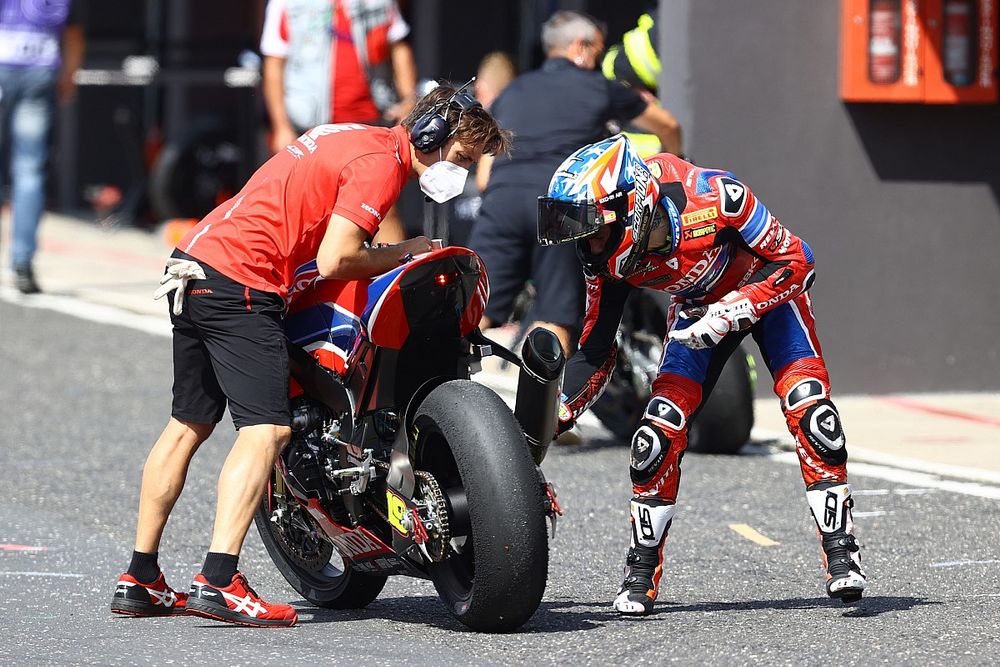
(722, 256)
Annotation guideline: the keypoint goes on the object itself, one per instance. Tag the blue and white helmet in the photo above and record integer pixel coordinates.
(605, 183)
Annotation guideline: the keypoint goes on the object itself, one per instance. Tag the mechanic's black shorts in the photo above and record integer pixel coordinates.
(505, 236)
(229, 346)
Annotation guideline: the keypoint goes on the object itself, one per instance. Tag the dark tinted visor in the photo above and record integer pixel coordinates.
(562, 221)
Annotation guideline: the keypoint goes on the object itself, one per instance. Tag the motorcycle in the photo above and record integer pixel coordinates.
(721, 425)
(398, 463)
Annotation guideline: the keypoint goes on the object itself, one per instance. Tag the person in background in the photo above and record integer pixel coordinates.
(41, 48)
(331, 61)
(496, 71)
(319, 201)
(551, 111)
(635, 63)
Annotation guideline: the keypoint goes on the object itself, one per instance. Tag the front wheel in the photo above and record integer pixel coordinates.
(467, 438)
(308, 562)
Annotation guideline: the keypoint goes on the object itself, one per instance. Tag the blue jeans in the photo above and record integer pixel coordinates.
(27, 104)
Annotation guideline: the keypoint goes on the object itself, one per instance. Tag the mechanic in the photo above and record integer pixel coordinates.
(731, 269)
(320, 199)
(552, 111)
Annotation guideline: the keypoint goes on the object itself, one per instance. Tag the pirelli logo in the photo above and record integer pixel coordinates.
(698, 232)
(701, 215)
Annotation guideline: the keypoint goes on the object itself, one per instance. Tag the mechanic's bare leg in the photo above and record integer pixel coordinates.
(242, 481)
(163, 479)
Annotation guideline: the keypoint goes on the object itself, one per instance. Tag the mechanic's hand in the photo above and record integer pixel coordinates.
(281, 137)
(415, 246)
(733, 312)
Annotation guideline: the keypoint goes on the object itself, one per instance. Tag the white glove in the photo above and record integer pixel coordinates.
(733, 312)
(179, 273)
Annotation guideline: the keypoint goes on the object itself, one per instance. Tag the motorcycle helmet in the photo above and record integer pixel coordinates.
(605, 183)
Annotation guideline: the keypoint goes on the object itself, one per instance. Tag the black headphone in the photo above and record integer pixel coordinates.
(432, 130)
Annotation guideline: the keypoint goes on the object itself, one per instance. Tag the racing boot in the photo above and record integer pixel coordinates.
(831, 503)
(650, 519)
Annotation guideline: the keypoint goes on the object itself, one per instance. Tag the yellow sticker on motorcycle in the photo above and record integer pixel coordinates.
(397, 510)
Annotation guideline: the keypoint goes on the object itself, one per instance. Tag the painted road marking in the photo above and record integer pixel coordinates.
(910, 404)
(861, 515)
(920, 480)
(752, 535)
(67, 575)
(870, 492)
(959, 563)
(21, 547)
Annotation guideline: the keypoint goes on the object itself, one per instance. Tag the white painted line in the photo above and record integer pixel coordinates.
(870, 492)
(68, 575)
(959, 563)
(864, 455)
(917, 479)
(861, 515)
(86, 310)
(912, 492)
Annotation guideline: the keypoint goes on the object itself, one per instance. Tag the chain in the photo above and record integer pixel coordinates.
(437, 548)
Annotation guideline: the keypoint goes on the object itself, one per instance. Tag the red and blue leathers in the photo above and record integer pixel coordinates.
(723, 240)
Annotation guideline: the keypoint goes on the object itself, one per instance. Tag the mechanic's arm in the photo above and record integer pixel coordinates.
(659, 121)
(73, 45)
(345, 255)
(483, 172)
(404, 74)
(588, 371)
(274, 98)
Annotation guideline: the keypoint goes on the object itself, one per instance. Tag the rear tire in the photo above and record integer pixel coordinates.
(313, 567)
(468, 439)
(724, 423)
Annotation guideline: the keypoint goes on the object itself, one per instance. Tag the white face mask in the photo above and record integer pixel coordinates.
(443, 180)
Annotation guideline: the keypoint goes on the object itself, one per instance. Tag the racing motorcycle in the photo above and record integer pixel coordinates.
(721, 425)
(398, 463)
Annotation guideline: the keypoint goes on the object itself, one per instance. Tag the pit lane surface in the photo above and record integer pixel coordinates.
(81, 402)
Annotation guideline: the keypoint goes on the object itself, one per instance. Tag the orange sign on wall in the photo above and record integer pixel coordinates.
(922, 51)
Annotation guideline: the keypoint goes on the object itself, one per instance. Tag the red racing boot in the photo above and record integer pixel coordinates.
(134, 598)
(237, 603)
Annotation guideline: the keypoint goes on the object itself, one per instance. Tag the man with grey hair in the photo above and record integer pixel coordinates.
(552, 111)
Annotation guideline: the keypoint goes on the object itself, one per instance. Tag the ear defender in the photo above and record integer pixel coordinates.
(432, 130)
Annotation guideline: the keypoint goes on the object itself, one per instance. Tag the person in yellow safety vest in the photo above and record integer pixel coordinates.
(635, 63)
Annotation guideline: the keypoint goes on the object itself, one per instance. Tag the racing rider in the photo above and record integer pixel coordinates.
(320, 199)
(731, 269)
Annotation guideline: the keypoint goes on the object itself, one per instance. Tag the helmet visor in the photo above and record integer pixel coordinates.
(562, 221)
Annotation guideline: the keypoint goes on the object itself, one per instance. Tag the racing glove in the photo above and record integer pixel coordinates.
(179, 272)
(733, 312)
(565, 421)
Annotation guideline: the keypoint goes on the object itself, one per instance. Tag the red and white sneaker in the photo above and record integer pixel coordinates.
(134, 598)
(237, 603)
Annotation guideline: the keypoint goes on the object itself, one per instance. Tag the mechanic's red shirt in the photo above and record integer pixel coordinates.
(277, 221)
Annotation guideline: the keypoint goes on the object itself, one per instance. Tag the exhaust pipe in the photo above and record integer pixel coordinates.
(538, 387)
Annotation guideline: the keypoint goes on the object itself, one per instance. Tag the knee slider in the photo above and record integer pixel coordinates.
(821, 426)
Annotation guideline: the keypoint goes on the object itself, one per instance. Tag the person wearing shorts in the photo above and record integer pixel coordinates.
(321, 200)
